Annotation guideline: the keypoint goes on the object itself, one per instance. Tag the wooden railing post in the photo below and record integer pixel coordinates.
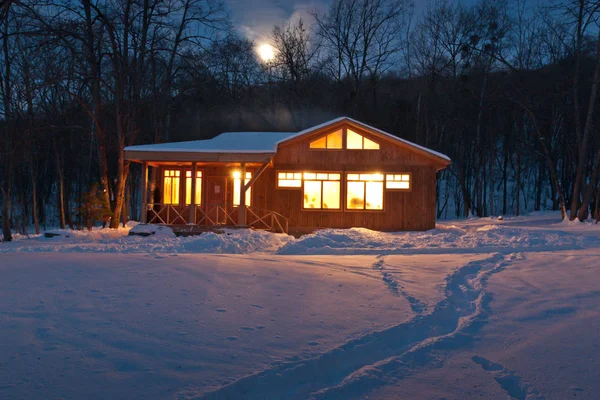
(144, 193)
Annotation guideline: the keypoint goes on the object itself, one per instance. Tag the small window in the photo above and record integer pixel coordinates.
(355, 141)
(237, 190)
(289, 179)
(322, 190)
(188, 187)
(332, 141)
(365, 191)
(171, 179)
(397, 181)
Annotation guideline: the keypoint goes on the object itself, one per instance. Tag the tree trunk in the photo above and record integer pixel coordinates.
(579, 182)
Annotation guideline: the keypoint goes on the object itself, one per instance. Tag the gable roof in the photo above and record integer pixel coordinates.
(373, 129)
(252, 146)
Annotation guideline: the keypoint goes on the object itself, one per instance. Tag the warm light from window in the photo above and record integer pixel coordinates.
(289, 179)
(355, 141)
(237, 190)
(322, 190)
(397, 181)
(364, 191)
(188, 187)
(332, 141)
(171, 180)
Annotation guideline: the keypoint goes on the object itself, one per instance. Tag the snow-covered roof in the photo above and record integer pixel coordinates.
(261, 142)
(228, 142)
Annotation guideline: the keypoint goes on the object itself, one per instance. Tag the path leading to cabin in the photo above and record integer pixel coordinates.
(412, 315)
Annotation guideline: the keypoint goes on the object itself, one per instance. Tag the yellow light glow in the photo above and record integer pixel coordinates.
(237, 174)
(266, 52)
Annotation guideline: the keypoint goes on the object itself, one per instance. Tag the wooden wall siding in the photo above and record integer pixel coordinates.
(403, 210)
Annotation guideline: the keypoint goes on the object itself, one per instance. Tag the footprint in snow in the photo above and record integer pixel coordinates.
(232, 338)
(313, 343)
(247, 328)
(221, 310)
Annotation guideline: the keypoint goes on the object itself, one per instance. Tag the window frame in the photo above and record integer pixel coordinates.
(277, 187)
(344, 130)
(410, 181)
(177, 175)
(342, 192)
(346, 180)
(324, 136)
(199, 201)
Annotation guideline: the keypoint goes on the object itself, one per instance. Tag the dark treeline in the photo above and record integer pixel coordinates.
(506, 88)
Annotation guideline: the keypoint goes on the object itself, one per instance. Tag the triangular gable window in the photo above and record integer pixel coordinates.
(354, 141)
(332, 141)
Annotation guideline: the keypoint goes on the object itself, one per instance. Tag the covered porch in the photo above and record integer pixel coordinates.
(197, 191)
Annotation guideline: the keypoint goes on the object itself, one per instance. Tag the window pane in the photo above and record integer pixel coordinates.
(237, 190)
(281, 175)
(310, 175)
(297, 175)
(199, 189)
(374, 196)
(335, 177)
(354, 140)
(312, 194)
(353, 177)
(175, 193)
(331, 195)
(167, 190)
(334, 140)
(371, 145)
(356, 196)
(319, 143)
(406, 178)
(290, 183)
(322, 177)
(188, 188)
(397, 185)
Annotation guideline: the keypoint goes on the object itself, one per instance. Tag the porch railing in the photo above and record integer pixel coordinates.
(218, 215)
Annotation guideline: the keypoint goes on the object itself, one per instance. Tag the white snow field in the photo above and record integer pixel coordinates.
(476, 309)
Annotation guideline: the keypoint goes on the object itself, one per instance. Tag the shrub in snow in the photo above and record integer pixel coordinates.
(93, 207)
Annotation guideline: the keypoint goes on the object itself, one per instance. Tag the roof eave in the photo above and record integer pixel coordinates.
(191, 156)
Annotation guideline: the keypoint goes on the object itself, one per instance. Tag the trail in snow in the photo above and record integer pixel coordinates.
(508, 380)
(379, 357)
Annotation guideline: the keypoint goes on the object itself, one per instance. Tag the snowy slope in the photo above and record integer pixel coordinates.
(475, 309)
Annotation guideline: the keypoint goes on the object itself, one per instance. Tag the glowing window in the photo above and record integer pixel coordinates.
(365, 191)
(236, 188)
(171, 180)
(188, 187)
(289, 179)
(397, 181)
(332, 141)
(354, 141)
(322, 190)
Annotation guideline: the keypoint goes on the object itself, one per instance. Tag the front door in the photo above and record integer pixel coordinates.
(216, 193)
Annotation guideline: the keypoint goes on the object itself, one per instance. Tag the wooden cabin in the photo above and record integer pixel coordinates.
(339, 174)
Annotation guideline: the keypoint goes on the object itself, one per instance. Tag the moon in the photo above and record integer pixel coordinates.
(266, 52)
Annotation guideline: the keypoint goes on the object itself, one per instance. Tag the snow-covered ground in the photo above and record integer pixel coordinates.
(474, 309)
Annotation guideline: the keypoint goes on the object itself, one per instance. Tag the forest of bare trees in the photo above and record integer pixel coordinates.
(507, 88)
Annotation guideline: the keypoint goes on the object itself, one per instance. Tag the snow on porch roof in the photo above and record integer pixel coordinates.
(228, 142)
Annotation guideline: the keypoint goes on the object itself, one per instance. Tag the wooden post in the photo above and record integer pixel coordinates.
(194, 200)
(242, 206)
(144, 193)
